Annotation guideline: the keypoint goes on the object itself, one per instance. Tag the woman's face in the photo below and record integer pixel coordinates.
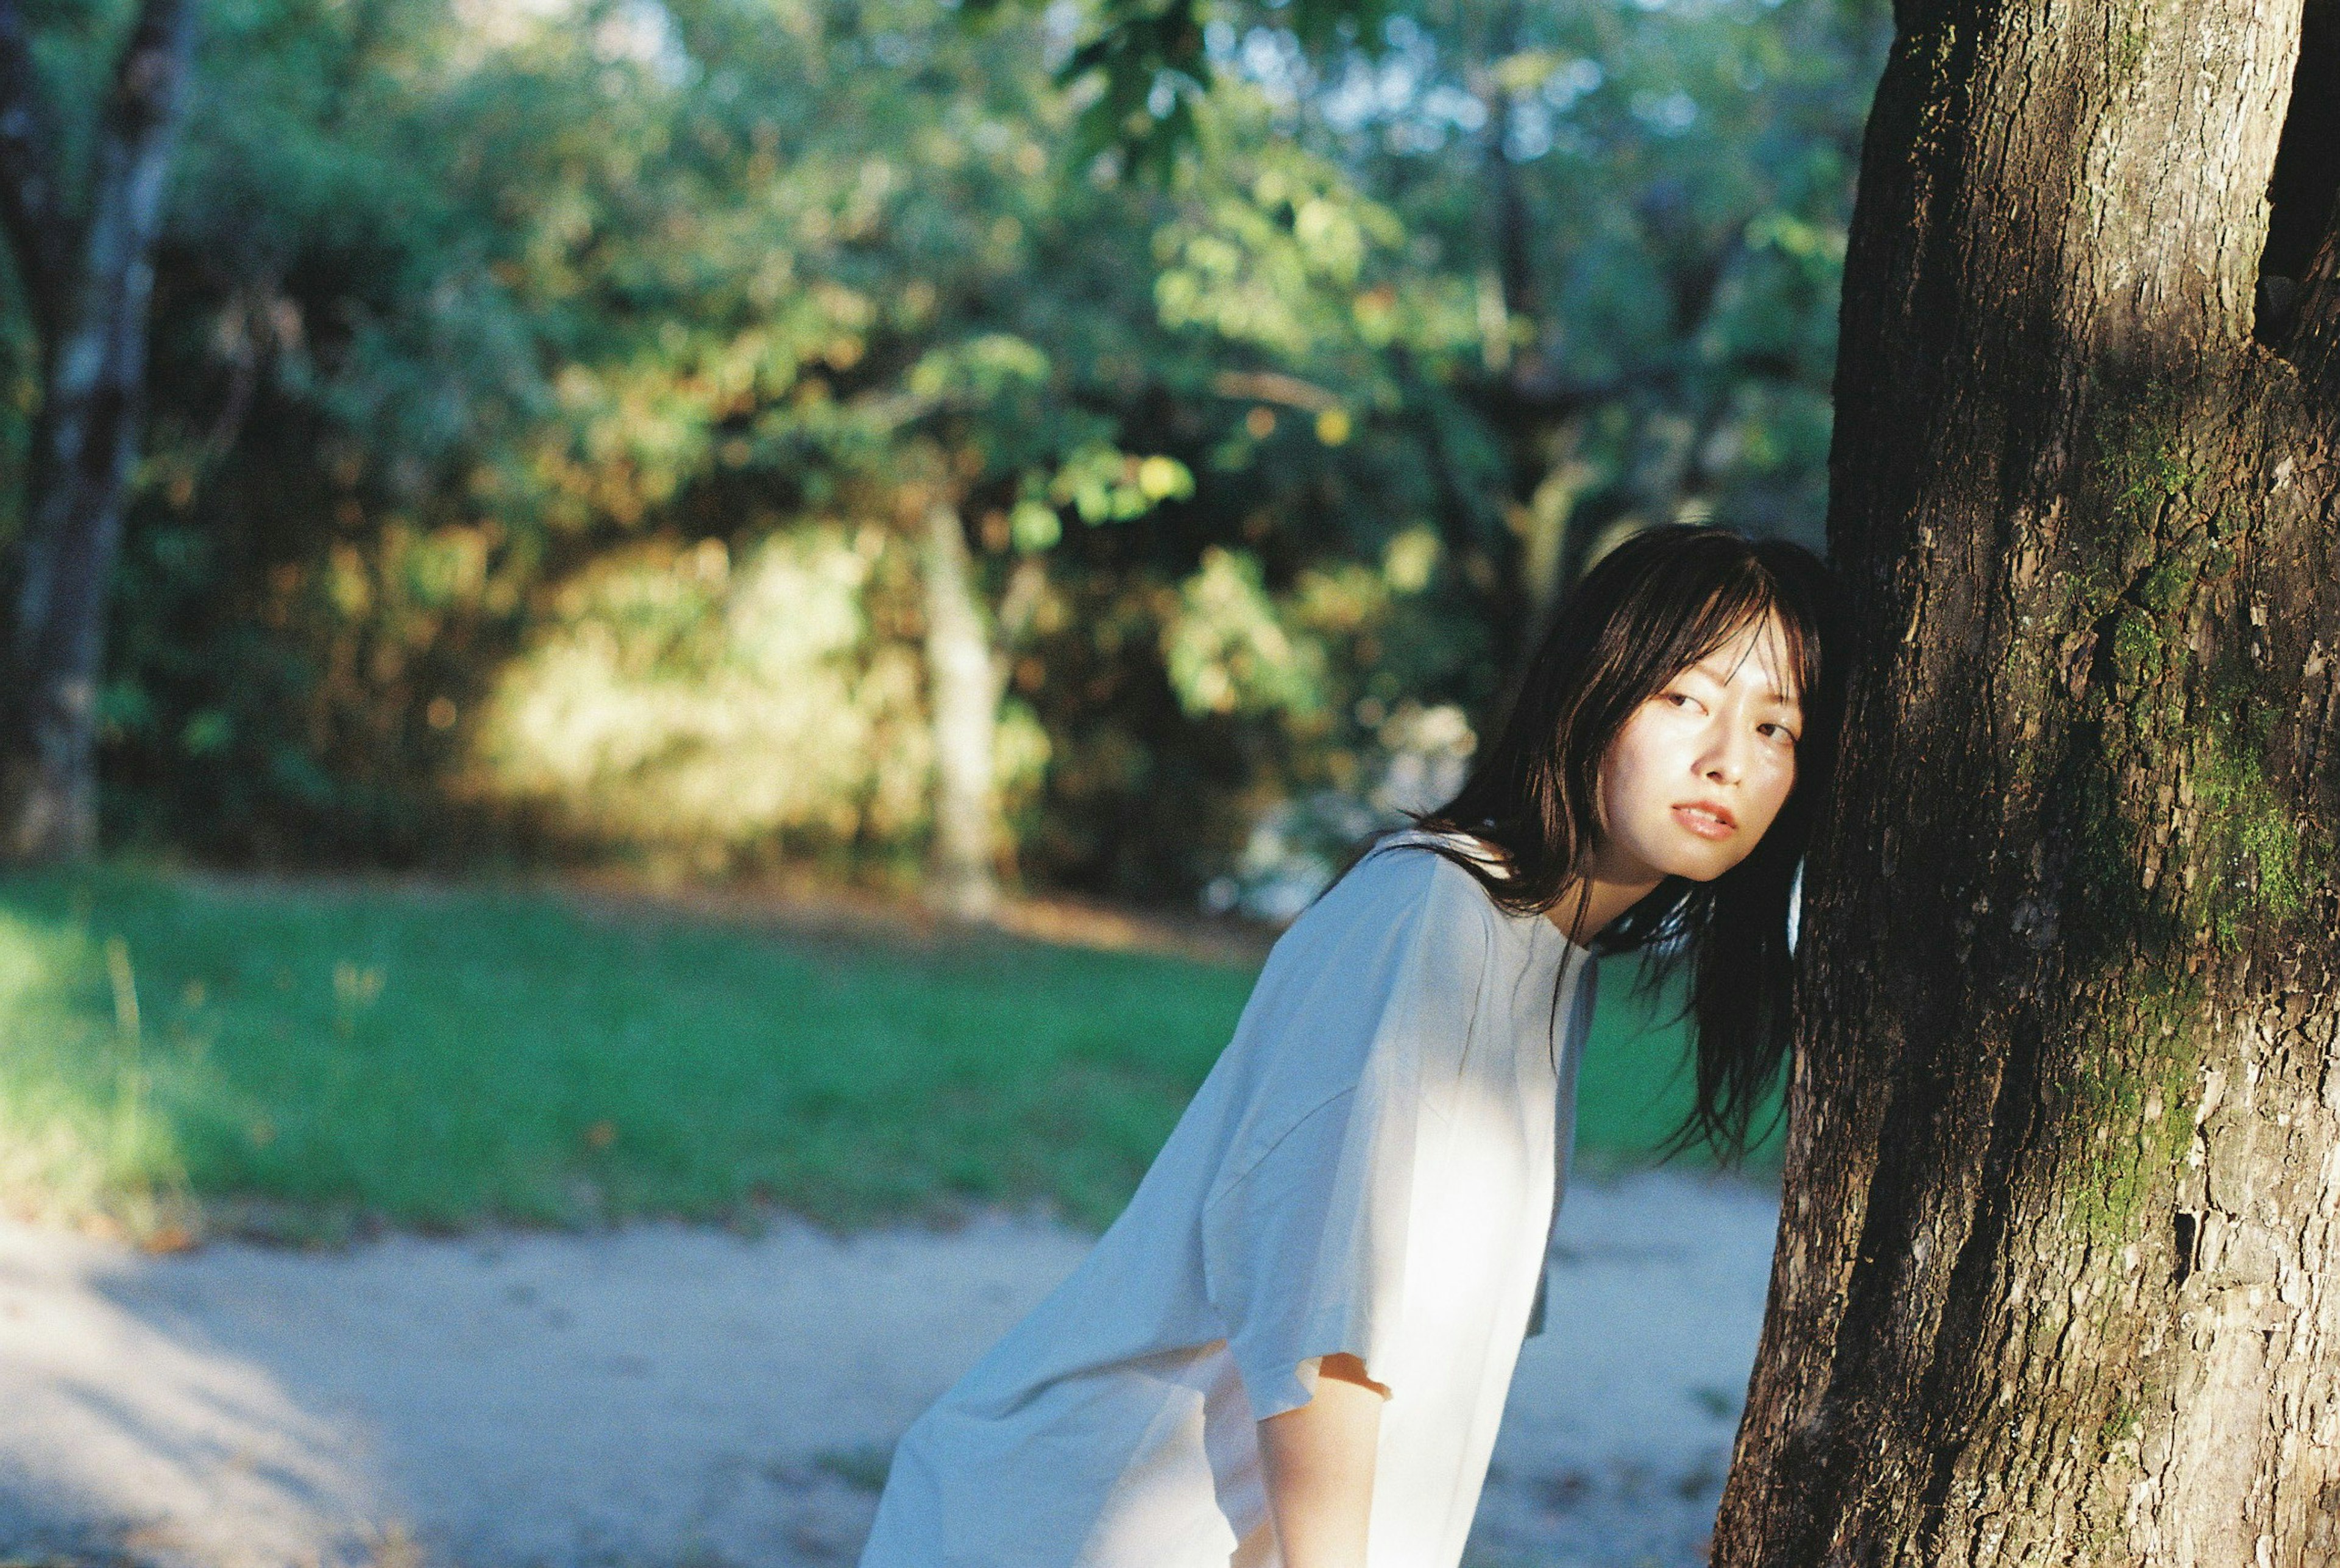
(1701, 769)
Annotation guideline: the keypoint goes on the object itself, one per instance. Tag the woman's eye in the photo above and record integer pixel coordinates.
(1680, 698)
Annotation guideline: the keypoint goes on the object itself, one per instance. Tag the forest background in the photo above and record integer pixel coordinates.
(730, 434)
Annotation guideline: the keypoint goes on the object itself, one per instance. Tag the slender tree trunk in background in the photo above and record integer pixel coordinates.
(89, 286)
(963, 693)
(2058, 1277)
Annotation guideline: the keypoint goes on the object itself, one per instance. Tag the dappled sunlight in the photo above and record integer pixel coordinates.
(85, 1128)
(124, 1415)
(523, 1399)
(543, 1398)
(315, 1058)
(675, 697)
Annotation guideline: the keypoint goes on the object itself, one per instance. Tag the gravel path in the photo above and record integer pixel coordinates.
(665, 1397)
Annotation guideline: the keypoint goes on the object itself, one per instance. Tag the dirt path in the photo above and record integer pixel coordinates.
(664, 1395)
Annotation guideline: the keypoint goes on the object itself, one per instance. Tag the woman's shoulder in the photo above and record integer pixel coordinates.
(1409, 877)
(1386, 966)
(1428, 863)
(1442, 844)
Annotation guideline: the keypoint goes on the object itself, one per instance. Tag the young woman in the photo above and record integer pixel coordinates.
(1293, 1347)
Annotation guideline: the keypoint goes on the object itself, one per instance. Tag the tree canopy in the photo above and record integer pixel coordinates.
(541, 392)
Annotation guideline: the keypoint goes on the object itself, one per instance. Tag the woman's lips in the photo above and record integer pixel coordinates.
(1704, 822)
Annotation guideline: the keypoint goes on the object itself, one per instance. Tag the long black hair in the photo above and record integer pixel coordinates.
(1656, 604)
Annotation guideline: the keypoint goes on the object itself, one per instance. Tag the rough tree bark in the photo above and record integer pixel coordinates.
(2059, 1277)
(87, 272)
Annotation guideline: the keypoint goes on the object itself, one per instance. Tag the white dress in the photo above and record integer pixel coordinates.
(1371, 1167)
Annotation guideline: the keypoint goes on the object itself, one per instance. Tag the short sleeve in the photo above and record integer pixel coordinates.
(1304, 1238)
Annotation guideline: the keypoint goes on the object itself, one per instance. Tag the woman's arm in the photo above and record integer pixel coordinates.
(1319, 1460)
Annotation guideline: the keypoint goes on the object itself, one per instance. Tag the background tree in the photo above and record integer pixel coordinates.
(83, 253)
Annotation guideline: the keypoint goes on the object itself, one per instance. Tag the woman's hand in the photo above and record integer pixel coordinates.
(1319, 1461)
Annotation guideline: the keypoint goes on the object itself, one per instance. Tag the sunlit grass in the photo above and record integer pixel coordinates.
(302, 1055)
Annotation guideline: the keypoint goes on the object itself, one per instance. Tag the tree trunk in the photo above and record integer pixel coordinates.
(963, 694)
(90, 300)
(2058, 1275)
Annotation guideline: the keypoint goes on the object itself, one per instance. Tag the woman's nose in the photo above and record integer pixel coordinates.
(1725, 761)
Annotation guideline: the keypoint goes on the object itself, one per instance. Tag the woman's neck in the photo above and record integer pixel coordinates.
(1584, 908)
(1613, 889)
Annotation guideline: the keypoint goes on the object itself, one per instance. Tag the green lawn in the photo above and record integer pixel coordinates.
(314, 1052)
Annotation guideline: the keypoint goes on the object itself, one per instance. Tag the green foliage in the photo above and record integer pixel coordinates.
(671, 700)
(1229, 650)
(440, 1057)
(466, 313)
